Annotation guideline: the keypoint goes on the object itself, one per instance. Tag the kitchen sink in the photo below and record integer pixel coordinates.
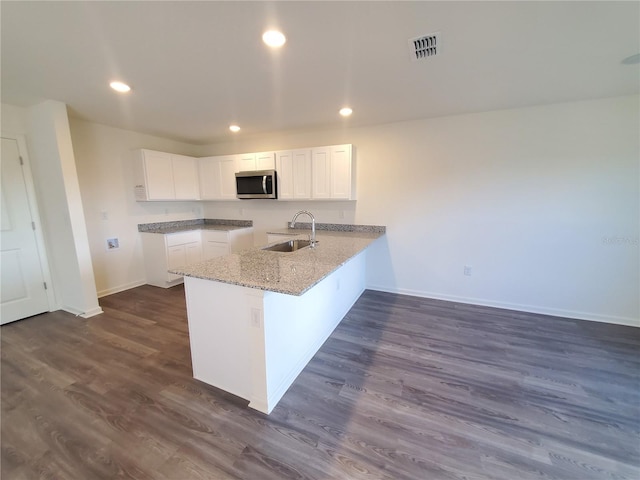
(289, 246)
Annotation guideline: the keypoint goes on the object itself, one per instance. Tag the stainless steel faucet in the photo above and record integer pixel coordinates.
(312, 237)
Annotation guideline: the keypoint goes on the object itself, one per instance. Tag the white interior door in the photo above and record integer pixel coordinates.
(22, 291)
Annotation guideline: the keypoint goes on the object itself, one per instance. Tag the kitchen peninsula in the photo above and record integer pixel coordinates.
(257, 317)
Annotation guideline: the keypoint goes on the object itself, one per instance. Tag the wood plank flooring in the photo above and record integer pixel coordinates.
(405, 388)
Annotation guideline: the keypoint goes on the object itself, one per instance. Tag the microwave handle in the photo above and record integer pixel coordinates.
(264, 184)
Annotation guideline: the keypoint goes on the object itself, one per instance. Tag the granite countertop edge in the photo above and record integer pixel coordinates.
(194, 224)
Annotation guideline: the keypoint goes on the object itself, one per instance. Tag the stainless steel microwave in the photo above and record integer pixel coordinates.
(256, 184)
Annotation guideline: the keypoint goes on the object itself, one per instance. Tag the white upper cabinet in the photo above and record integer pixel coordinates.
(332, 173)
(321, 172)
(218, 177)
(185, 177)
(294, 174)
(228, 179)
(301, 173)
(284, 169)
(318, 173)
(250, 162)
(342, 178)
(245, 162)
(164, 176)
(265, 161)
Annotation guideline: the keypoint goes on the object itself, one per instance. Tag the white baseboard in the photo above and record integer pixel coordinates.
(92, 313)
(121, 288)
(79, 313)
(554, 312)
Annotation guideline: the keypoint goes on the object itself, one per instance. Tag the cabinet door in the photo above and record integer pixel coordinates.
(158, 175)
(176, 257)
(284, 168)
(245, 162)
(185, 177)
(301, 173)
(210, 178)
(193, 252)
(294, 174)
(265, 161)
(228, 178)
(321, 172)
(218, 177)
(341, 172)
(215, 249)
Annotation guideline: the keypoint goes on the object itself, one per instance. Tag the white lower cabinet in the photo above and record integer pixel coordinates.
(164, 252)
(180, 255)
(214, 249)
(216, 243)
(176, 256)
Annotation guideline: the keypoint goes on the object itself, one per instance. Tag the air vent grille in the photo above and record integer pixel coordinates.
(425, 46)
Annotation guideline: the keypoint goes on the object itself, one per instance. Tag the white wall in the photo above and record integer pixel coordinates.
(56, 183)
(542, 202)
(105, 171)
(14, 119)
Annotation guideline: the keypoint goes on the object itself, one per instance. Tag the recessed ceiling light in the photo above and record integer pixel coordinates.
(274, 38)
(120, 87)
(346, 111)
(234, 128)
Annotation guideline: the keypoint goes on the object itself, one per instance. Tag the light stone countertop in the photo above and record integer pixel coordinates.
(187, 228)
(291, 273)
(195, 224)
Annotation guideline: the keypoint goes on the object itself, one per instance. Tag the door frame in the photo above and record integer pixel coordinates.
(35, 214)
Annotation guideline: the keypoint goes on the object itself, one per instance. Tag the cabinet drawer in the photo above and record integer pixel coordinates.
(214, 249)
(215, 236)
(182, 238)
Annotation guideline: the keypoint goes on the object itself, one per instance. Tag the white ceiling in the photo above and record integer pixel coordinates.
(197, 67)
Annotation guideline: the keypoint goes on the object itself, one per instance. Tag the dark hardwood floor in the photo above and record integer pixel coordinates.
(405, 388)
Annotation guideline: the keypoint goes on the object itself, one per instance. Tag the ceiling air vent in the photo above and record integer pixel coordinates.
(425, 46)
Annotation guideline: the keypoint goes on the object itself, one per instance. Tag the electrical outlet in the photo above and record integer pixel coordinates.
(467, 270)
(104, 215)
